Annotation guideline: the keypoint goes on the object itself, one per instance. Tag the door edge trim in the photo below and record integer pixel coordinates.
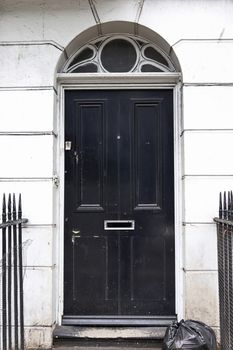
(178, 188)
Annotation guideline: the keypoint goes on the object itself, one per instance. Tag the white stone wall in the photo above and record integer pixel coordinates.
(33, 35)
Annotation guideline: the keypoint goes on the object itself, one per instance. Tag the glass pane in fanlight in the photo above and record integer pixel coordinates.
(82, 56)
(151, 53)
(118, 55)
(86, 68)
(150, 68)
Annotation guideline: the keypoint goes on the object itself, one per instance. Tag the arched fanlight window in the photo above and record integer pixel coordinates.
(119, 54)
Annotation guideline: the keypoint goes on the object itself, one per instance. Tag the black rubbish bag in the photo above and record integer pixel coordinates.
(187, 335)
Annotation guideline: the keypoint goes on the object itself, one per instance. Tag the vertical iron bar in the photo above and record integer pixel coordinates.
(228, 247)
(15, 276)
(222, 269)
(231, 287)
(225, 268)
(21, 308)
(231, 272)
(9, 275)
(226, 298)
(220, 263)
(225, 307)
(4, 306)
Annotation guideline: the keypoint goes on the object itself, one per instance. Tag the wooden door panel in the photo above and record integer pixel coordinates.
(120, 167)
(88, 155)
(148, 261)
(147, 154)
(149, 289)
(95, 275)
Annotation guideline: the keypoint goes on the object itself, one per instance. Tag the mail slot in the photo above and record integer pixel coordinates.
(119, 224)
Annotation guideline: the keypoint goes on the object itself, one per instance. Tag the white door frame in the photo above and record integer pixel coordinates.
(117, 81)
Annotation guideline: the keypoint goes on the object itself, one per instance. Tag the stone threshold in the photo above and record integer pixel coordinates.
(107, 344)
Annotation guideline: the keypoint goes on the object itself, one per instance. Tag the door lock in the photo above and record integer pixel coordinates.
(68, 145)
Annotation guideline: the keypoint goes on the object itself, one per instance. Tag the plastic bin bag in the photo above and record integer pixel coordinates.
(189, 335)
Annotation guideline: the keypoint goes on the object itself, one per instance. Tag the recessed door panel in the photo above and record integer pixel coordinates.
(147, 154)
(119, 204)
(94, 275)
(89, 155)
(148, 264)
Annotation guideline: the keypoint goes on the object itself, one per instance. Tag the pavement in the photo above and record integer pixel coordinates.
(107, 345)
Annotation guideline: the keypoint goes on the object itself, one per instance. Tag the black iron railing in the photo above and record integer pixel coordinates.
(225, 268)
(12, 325)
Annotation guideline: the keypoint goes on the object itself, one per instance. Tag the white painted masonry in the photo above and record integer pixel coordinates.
(33, 36)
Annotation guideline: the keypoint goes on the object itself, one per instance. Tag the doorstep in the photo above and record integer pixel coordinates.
(107, 344)
(108, 338)
(125, 333)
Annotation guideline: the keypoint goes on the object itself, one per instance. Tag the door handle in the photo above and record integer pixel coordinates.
(75, 235)
(76, 156)
(75, 232)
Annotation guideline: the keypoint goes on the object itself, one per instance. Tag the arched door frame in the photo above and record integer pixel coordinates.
(120, 81)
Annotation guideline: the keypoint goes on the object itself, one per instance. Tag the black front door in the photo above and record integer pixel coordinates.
(119, 204)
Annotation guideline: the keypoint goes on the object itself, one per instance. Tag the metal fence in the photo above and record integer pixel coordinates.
(12, 320)
(225, 268)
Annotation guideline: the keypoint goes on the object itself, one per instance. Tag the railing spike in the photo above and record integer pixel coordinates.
(220, 205)
(20, 204)
(228, 204)
(4, 204)
(9, 202)
(231, 205)
(14, 203)
(224, 205)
